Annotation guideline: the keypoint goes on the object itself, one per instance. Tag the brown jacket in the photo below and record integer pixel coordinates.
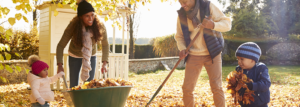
(67, 36)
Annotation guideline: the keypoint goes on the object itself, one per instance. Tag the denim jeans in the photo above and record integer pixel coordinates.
(75, 68)
(39, 105)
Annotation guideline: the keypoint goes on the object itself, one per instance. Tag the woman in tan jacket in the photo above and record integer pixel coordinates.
(84, 31)
(39, 82)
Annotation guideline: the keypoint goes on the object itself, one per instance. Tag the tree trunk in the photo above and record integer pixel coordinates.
(34, 15)
(131, 48)
(131, 41)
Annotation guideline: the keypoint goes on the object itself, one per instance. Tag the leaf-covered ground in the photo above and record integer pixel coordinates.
(285, 90)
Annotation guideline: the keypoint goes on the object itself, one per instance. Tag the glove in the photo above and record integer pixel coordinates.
(242, 91)
(41, 101)
(250, 86)
(60, 74)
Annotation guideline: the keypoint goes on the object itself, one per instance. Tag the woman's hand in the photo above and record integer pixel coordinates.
(60, 67)
(104, 67)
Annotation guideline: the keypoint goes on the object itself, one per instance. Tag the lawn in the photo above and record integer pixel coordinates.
(284, 89)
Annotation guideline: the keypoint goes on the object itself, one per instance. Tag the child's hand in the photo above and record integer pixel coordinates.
(41, 101)
(61, 74)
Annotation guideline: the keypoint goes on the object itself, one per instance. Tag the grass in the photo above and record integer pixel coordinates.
(278, 74)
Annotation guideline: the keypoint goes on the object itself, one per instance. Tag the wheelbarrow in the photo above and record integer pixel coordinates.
(115, 96)
(100, 97)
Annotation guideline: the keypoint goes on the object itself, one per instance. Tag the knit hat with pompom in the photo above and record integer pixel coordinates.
(36, 65)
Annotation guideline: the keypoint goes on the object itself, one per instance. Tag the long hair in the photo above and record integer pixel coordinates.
(77, 30)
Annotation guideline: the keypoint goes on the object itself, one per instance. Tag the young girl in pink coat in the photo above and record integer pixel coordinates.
(39, 82)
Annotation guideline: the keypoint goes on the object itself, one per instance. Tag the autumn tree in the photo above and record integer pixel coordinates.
(263, 17)
(248, 21)
(134, 20)
(285, 13)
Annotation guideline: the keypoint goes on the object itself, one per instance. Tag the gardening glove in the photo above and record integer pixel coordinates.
(242, 91)
(41, 101)
(250, 85)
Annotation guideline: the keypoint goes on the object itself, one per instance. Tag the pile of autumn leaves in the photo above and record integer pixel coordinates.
(237, 81)
(98, 83)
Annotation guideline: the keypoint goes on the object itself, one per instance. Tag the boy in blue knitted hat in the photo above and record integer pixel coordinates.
(248, 55)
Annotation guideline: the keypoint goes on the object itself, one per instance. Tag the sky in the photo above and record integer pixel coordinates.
(20, 24)
(161, 20)
(156, 19)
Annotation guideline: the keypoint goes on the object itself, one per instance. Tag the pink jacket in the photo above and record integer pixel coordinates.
(40, 87)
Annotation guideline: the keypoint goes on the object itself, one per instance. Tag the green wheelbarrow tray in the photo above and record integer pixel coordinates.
(100, 97)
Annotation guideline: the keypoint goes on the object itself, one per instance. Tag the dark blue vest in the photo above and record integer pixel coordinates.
(213, 39)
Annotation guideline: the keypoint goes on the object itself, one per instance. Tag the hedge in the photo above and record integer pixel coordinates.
(141, 51)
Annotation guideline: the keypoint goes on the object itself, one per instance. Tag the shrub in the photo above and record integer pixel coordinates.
(22, 43)
(165, 46)
(294, 37)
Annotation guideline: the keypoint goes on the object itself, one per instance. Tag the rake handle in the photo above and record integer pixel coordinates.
(187, 49)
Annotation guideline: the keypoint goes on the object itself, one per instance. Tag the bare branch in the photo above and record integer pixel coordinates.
(3, 22)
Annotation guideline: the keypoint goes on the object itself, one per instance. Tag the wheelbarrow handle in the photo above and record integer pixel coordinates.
(65, 81)
(104, 72)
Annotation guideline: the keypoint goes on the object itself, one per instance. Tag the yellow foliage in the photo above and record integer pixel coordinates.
(60, 5)
(25, 19)
(23, 6)
(106, 18)
(9, 32)
(28, 7)
(132, 2)
(26, 1)
(1, 59)
(55, 12)
(5, 10)
(11, 21)
(1, 29)
(18, 7)
(18, 16)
